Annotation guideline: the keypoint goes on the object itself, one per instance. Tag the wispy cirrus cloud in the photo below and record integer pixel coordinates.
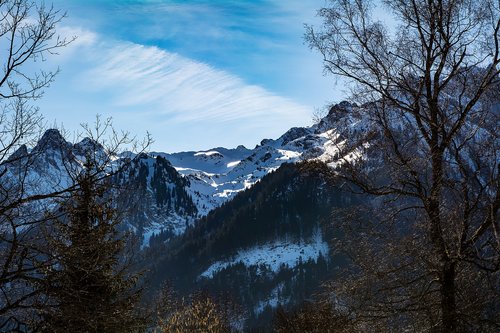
(182, 89)
(260, 40)
(183, 103)
(194, 73)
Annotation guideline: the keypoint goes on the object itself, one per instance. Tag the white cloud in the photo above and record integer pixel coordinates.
(183, 89)
(78, 38)
(185, 104)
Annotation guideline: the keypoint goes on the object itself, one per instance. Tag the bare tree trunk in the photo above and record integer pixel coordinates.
(448, 302)
(447, 265)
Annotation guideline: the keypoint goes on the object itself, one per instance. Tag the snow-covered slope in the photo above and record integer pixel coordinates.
(214, 161)
(274, 255)
(151, 195)
(216, 175)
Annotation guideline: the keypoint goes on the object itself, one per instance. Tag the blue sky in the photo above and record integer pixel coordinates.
(196, 74)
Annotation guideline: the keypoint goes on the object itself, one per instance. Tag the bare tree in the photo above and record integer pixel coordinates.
(313, 317)
(199, 313)
(429, 98)
(27, 35)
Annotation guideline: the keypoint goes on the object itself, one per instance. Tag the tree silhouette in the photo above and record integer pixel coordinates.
(429, 99)
(27, 35)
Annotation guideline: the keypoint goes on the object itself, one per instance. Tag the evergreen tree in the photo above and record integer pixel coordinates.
(89, 287)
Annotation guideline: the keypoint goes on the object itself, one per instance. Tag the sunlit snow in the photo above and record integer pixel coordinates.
(207, 153)
(233, 164)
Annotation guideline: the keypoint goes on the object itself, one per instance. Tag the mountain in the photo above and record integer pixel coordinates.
(217, 175)
(152, 197)
(266, 247)
(176, 189)
(252, 222)
(151, 192)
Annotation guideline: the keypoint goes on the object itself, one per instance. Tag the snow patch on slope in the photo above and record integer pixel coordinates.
(208, 153)
(173, 223)
(274, 255)
(233, 164)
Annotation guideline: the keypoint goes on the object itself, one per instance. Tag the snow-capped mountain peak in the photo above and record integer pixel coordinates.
(216, 175)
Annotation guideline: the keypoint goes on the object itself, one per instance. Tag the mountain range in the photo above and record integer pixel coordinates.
(254, 223)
